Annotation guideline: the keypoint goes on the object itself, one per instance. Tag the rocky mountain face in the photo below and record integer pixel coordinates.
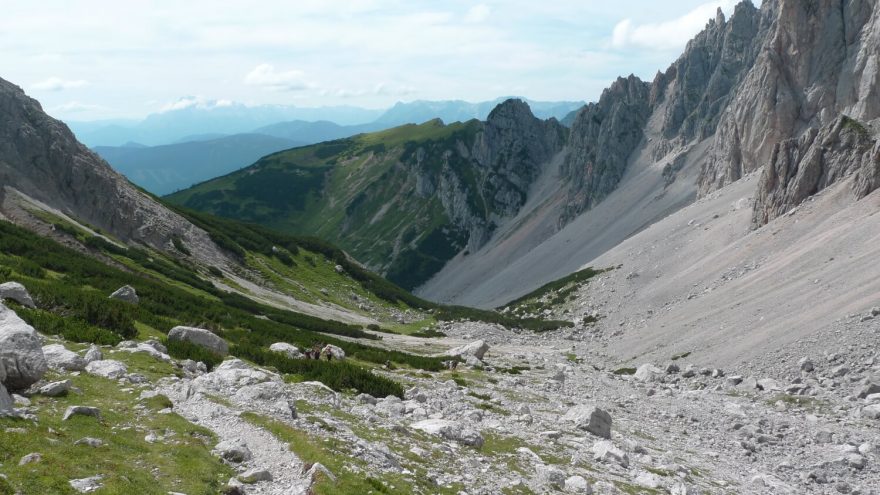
(817, 61)
(800, 167)
(747, 84)
(41, 160)
(602, 137)
(402, 201)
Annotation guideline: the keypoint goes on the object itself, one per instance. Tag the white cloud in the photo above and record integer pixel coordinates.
(477, 13)
(266, 76)
(195, 102)
(58, 84)
(668, 34)
(77, 107)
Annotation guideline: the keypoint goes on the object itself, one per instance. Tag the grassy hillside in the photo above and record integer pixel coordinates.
(372, 195)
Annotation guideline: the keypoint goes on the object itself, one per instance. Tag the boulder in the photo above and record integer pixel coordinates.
(148, 348)
(59, 358)
(55, 389)
(233, 451)
(871, 412)
(606, 451)
(288, 350)
(108, 368)
(551, 476)
(21, 353)
(200, 337)
(32, 458)
(81, 411)
(578, 484)
(648, 373)
(232, 375)
(6, 402)
(255, 475)
(14, 291)
(805, 364)
(89, 442)
(334, 351)
(868, 389)
(87, 485)
(93, 354)
(126, 293)
(769, 385)
(591, 419)
(450, 430)
(476, 349)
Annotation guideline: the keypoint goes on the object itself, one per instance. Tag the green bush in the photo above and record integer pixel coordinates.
(338, 375)
(186, 350)
(72, 329)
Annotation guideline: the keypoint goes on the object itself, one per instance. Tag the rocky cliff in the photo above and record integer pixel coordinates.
(800, 167)
(41, 159)
(817, 60)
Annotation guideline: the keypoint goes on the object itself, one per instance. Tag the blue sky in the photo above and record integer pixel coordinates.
(93, 59)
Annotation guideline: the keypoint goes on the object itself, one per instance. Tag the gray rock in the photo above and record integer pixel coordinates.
(868, 389)
(200, 337)
(81, 411)
(107, 368)
(93, 354)
(871, 412)
(672, 368)
(6, 402)
(21, 353)
(90, 442)
(578, 484)
(605, 451)
(255, 475)
(805, 364)
(769, 385)
(55, 389)
(126, 293)
(234, 451)
(59, 358)
(648, 373)
(318, 471)
(551, 476)
(590, 418)
(476, 349)
(648, 480)
(14, 291)
(288, 350)
(366, 399)
(31, 458)
(87, 485)
(450, 430)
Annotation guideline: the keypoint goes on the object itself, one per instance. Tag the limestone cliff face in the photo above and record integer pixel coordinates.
(800, 167)
(818, 59)
(603, 136)
(40, 158)
(486, 179)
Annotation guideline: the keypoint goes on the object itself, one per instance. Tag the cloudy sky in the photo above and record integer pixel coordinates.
(94, 59)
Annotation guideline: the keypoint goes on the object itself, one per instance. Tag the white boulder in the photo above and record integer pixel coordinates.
(648, 373)
(59, 358)
(107, 368)
(590, 418)
(14, 291)
(288, 350)
(200, 337)
(126, 293)
(476, 349)
(21, 353)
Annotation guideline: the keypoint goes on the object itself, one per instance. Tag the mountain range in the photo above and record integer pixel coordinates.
(200, 147)
(535, 212)
(680, 293)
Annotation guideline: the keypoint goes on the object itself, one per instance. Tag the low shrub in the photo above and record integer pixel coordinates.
(72, 329)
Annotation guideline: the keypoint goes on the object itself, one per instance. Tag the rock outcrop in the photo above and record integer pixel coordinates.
(603, 136)
(21, 354)
(126, 293)
(800, 167)
(41, 158)
(817, 60)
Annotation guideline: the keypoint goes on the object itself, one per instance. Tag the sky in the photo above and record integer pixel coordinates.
(100, 59)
